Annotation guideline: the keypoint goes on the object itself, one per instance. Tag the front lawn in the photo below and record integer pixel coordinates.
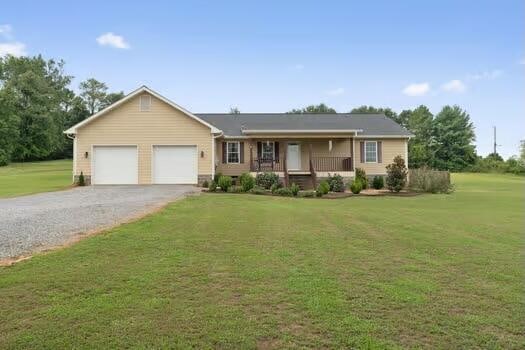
(18, 179)
(246, 271)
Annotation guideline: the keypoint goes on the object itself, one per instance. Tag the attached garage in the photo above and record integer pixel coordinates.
(174, 164)
(115, 165)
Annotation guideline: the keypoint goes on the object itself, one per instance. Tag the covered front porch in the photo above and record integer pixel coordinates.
(302, 157)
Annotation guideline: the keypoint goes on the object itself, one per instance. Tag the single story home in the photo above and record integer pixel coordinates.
(144, 138)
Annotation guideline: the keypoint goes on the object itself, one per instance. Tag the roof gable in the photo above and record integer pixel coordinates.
(130, 96)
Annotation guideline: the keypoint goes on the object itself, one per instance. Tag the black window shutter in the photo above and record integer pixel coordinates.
(276, 151)
(362, 151)
(259, 149)
(224, 153)
(379, 152)
(241, 152)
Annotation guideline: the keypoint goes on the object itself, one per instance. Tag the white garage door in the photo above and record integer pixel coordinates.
(175, 164)
(115, 165)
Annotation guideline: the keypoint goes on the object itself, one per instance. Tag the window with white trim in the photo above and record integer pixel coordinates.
(370, 152)
(267, 151)
(145, 103)
(233, 151)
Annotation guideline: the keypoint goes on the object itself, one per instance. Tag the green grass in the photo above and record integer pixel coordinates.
(244, 271)
(19, 179)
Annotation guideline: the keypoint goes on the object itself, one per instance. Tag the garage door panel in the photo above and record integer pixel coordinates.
(115, 165)
(175, 164)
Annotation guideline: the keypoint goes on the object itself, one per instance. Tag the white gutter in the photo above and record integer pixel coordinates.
(298, 131)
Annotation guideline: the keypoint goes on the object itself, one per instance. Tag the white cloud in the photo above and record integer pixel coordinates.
(336, 92)
(113, 40)
(5, 31)
(487, 75)
(15, 49)
(417, 89)
(455, 85)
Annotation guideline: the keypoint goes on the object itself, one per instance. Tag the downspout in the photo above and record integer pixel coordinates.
(73, 137)
(213, 139)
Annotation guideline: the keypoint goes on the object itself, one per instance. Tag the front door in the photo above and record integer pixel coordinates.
(294, 156)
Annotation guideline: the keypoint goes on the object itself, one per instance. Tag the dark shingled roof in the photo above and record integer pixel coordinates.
(371, 124)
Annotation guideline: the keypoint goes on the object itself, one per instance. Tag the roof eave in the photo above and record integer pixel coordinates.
(299, 131)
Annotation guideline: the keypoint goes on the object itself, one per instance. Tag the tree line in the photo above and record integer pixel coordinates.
(37, 103)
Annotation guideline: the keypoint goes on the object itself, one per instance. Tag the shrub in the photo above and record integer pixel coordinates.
(307, 194)
(336, 183)
(247, 182)
(257, 190)
(295, 189)
(431, 181)
(360, 175)
(378, 182)
(323, 188)
(235, 189)
(276, 186)
(216, 177)
(81, 179)
(283, 191)
(266, 180)
(205, 183)
(213, 186)
(396, 177)
(356, 186)
(225, 182)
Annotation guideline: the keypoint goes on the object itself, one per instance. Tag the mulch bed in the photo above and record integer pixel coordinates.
(338, 195)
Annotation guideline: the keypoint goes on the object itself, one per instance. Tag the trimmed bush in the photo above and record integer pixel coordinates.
(205, 184)
(266, 180)
(295, 189)
(323, 188)
(235, 189)
(276, 186)
(360, 175)
(213, 186)
(216, 177)
(378, 182)
(356, 186)
(246, 181)
(336, 183)
(257, 190)
(429, 180)
(396, 177)
(81, 179)
(283, 191)
(225, 182)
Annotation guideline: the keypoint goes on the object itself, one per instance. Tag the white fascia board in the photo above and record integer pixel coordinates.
(297, 131)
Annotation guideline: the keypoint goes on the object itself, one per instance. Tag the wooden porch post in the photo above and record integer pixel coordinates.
(351, 154)
(312, 170)
(285, 166)
(251, 156)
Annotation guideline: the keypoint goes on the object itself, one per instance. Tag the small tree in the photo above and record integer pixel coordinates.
(81, 180)
(396, 177)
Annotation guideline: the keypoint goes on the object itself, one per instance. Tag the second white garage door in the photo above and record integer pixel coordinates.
(174, 164)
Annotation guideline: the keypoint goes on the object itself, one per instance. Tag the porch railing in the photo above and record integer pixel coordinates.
(267, 165)
(317, 163)
(332, 163)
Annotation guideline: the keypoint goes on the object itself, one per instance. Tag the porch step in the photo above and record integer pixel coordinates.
(303, 181)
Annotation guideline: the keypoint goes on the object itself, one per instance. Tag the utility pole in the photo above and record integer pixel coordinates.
(495, 145)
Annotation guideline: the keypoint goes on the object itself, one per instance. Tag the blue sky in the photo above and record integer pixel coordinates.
(272, 56)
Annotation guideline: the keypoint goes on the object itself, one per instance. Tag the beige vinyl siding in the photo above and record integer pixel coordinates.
(232, 169)
(161, 125)
(390, 149)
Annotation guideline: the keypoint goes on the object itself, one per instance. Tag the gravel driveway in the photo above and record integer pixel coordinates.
(44, 220)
